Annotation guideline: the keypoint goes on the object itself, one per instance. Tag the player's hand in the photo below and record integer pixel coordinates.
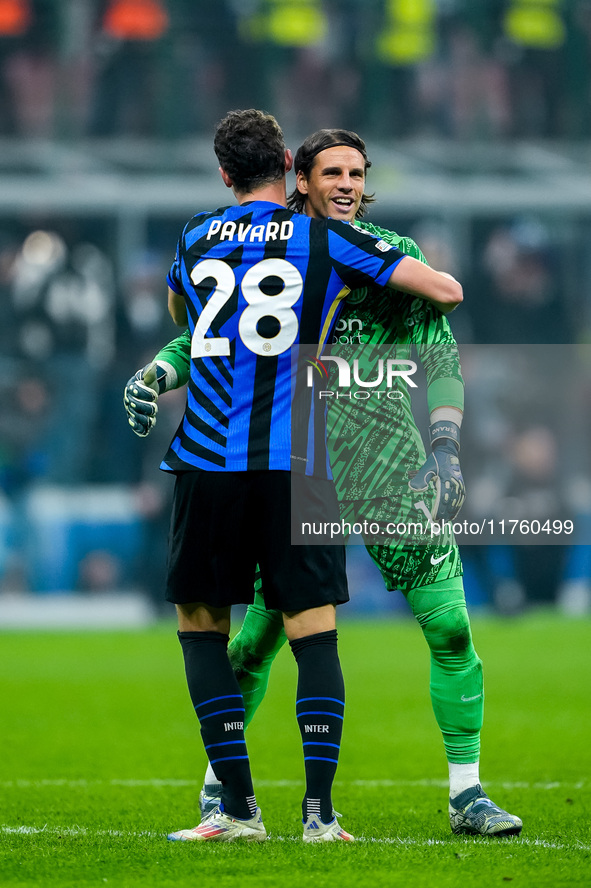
(442, 469)
(139, 399)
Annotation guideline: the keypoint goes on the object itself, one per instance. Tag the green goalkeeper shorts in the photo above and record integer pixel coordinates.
(401, 540)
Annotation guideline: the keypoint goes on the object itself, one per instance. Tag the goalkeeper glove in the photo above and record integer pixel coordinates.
(140, 396)
(442, 468)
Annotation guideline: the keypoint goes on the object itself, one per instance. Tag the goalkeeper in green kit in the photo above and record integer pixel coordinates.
(382, 474)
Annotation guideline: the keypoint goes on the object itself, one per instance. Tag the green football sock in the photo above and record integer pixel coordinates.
(253, 649)
(457, 690)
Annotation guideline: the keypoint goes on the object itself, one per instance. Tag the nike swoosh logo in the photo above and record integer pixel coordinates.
(467, 699)
(441, 558)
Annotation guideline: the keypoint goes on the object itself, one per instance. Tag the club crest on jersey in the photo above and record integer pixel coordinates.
(357, 296)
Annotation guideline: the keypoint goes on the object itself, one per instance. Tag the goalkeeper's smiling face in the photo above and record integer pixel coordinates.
(335, 184)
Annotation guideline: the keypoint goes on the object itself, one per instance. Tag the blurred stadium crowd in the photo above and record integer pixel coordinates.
(453, 68)
(82, 504)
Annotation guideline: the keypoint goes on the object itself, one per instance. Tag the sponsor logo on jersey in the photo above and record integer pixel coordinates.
(348, 331)
(417, 317)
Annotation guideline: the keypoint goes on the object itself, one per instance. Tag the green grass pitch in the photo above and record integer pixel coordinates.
(101, 756)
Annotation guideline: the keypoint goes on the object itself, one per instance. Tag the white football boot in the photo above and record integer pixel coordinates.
(221, 827)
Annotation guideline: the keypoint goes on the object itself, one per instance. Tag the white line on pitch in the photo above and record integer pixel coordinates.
(80, 831)
(368, 784)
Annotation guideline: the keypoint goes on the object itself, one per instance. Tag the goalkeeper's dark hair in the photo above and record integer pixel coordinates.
(250, 148)
(311, 147)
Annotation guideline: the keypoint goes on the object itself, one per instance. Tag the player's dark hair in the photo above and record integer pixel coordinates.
(250, 148)
(311, 147)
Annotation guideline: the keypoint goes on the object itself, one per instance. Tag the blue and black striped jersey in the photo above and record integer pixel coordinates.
(258, 281)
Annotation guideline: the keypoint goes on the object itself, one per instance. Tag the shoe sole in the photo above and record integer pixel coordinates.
(327, 837)
(246, 835)
(464, 830)
(316, 841)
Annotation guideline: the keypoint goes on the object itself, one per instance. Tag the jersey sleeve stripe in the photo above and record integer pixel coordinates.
(176, 288)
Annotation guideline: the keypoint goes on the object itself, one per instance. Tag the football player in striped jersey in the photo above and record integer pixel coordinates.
(252, 281)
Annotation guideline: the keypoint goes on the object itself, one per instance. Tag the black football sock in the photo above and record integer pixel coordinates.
(216, 696)
(320, 705)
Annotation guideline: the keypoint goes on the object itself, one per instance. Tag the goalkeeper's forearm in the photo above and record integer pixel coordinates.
(449, 414)
(166, 376)
(175, 356)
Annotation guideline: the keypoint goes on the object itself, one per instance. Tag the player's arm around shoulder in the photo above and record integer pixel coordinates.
(414, 277)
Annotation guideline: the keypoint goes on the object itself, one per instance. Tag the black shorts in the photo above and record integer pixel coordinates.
(224, 524)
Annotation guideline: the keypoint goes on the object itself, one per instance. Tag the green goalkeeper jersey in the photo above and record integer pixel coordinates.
(375, 443)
